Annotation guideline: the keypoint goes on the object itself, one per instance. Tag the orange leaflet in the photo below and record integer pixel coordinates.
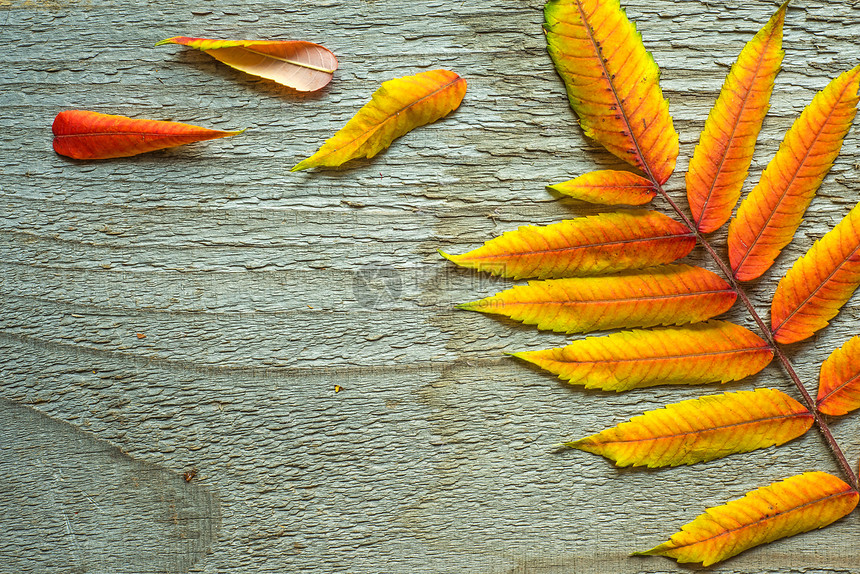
(603, 243)
(608, 187)
(819, 283)
(767, 219)
(715, 351)
(798, 504)
(722, 159)
(611, 82)
(90, 135)
(303, 66)
(397, 107)
(839, 381)
(664, 295)
(703, 429)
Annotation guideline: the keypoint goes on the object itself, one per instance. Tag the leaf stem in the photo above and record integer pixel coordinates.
(768, 335)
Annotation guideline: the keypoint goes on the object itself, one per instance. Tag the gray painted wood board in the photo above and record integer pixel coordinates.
(197, 308)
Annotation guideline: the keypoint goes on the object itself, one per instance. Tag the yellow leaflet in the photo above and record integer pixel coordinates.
(797, 504)
(397, 107)
(702, 429)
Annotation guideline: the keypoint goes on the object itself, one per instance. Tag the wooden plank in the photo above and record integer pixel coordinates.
(197, 307)
(73, 503)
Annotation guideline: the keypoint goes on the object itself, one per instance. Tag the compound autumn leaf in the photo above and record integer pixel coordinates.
(397, 107)
(81, 134)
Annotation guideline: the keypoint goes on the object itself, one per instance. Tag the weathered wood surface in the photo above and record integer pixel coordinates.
(256, 291)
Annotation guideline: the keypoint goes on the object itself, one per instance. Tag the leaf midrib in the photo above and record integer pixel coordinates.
(664, 357)
(585, 246)
(620, 300)
(805, 414)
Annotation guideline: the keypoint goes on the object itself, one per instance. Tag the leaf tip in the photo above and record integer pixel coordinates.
(652, 552)
(447, 256)
(166, 41)
(473, 306)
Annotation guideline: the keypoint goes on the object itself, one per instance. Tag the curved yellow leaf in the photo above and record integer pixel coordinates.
(715, 351)
(797, 504)
(592, 245)
(703, 429)
(608, 187)
(839, 381)
(612, 82)
(664, 295)
(819, 283)
(722, 159)
(768, 217)
(397, 107)
(303, 66)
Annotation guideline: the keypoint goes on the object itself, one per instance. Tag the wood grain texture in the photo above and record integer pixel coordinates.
(72, 503)
(257, 290)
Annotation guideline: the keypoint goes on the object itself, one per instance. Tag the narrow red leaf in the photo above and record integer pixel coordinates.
(90, 135)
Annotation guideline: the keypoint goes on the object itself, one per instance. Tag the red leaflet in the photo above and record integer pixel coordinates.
(839, 382)
(81, 134)
(303, 66)
(722, 158)
(608, 187)
(819, 283)
(767, 219)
